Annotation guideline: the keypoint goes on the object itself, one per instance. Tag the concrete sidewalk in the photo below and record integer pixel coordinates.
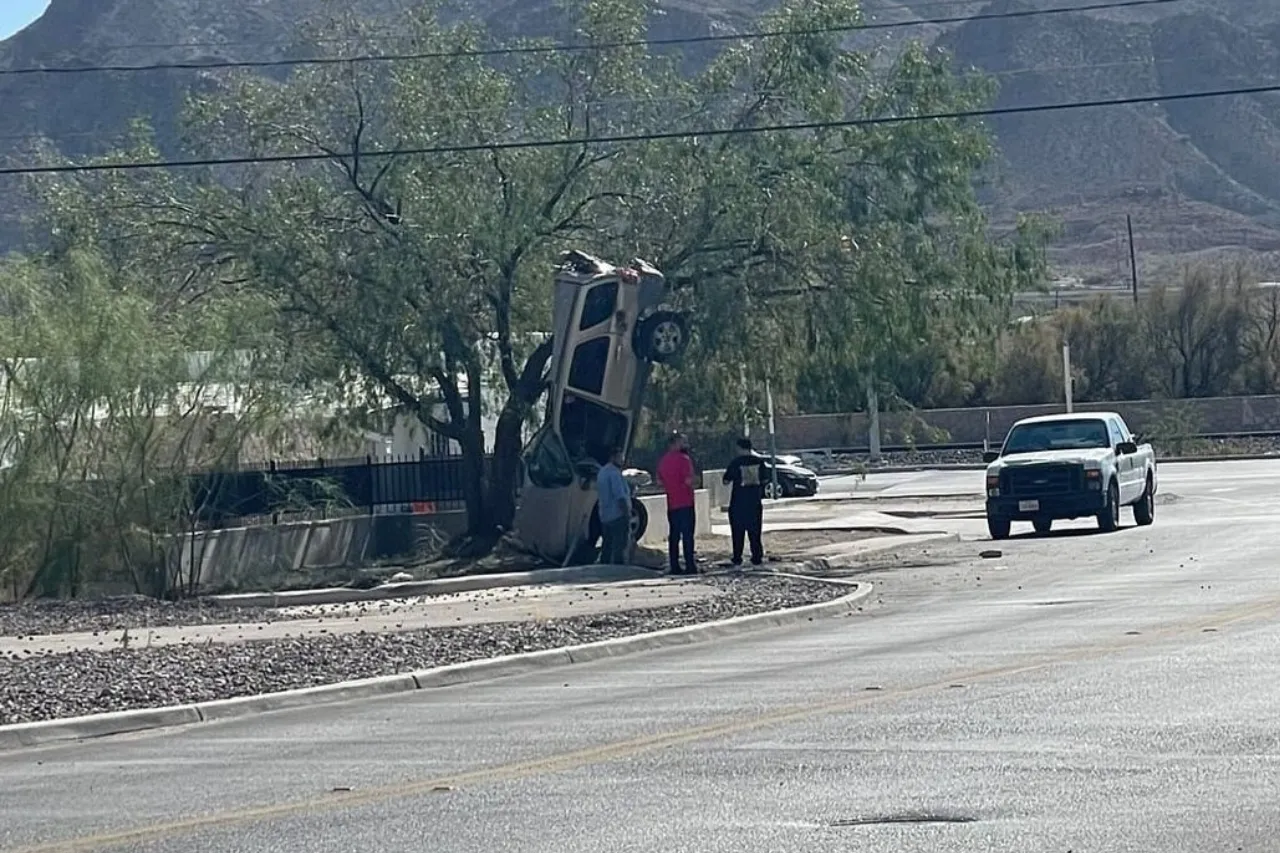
(507, 604)
(890, 523)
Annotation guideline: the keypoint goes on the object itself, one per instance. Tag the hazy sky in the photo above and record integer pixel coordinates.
(16, 14)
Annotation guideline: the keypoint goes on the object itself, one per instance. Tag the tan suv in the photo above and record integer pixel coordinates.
(609, 330)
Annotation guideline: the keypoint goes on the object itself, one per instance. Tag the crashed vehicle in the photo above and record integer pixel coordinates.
(609, 329)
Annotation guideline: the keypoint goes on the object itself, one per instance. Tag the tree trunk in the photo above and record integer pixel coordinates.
(504, 475)
(508, 440)
(480, 523)
(490, 487)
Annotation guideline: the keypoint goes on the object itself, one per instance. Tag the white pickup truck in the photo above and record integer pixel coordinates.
(1069, 466)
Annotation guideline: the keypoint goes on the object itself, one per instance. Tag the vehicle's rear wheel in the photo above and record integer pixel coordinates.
(662, 337)
(1144, 511)
(1042, 525)
(639, 519)
(775, 490)
(1109, 518)
(999, 527)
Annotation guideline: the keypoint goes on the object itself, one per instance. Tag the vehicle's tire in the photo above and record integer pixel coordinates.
(1109, 518)
(639, 519)
(999, 527)
(662, 337)
(1042, 525)
(775, 491)
(1144, 511)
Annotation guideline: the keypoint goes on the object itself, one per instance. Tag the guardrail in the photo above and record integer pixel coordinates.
(941, 429)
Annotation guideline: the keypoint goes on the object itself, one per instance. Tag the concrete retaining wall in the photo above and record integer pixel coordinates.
(849, 431)
(268, 557)
(242, 558)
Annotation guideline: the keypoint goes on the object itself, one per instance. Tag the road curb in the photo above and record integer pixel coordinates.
(19, 735)
(437, 586)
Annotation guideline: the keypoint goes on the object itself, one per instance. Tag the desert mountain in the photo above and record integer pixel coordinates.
(1196, 175)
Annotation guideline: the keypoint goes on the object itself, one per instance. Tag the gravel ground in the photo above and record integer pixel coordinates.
(1192, 447)
(65, 685)
(114, 614)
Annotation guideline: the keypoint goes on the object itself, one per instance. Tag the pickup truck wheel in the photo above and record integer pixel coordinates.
(1042, 525)
(1109, 518)
(1144, 511)
(998, 527)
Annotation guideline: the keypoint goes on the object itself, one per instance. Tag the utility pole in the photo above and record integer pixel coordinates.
(746, 415)
(1066, 374)
(1133, 259)
(873, 418)
(773, 439)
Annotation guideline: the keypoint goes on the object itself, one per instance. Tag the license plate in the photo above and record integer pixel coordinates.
(1028, 506)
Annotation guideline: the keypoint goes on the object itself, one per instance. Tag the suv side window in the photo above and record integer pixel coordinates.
(590, 359)
(599, 304)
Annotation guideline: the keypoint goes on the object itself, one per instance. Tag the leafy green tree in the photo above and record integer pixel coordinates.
(414, 279)
(417, 282)
(863, 255)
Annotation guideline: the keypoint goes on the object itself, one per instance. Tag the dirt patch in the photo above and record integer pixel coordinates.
(783, 545)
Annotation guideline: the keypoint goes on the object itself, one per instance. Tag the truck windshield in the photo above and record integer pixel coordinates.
(1057, 435)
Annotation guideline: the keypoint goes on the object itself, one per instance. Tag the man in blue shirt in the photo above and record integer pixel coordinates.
(613, 497)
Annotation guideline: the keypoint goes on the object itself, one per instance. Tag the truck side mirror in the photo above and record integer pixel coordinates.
(1126, 448)
(989, 456)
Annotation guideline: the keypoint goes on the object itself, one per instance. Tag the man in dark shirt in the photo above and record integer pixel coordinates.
(747, 474)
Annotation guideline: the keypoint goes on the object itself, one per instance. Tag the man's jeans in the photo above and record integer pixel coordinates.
(613, 544)
(681, 523)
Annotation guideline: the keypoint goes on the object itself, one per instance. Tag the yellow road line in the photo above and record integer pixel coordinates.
(577, 759)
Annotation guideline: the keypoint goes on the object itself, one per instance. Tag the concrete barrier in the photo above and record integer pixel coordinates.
(279, 554)
(657, 532)
(718, 492)
(850, 430)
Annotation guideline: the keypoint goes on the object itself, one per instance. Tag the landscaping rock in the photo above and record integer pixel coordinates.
(42, 687)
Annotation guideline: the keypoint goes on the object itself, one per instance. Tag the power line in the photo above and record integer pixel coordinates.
(873, 76)
(566, 48)
(631, 138)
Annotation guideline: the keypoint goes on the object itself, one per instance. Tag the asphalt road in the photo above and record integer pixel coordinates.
(1083, 692)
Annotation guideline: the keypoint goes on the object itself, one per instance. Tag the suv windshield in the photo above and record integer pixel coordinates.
(1057, 435)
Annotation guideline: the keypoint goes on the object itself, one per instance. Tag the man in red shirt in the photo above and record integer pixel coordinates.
(676, 474)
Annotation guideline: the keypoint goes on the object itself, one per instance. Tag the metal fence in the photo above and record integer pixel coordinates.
(419, 484)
